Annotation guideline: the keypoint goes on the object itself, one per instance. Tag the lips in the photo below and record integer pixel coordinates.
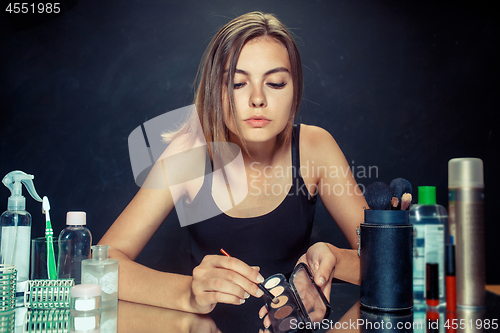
(257, 121)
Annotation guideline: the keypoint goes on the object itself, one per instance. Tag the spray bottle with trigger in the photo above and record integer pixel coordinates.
(15, 232)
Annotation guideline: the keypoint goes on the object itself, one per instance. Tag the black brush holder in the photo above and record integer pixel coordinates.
(385, 250)
(381, 322)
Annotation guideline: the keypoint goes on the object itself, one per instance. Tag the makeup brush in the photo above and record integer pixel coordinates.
(406, 201)
(260, 285)
(394, 203)
(399, 186)
(378, 196)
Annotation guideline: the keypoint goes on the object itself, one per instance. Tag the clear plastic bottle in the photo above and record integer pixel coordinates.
(15, 231)
(103, 271)
(429, 226)
(74, 246)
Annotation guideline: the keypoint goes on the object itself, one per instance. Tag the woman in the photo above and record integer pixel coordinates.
(249, 91)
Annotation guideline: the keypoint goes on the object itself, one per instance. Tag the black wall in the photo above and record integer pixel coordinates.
(403, 86)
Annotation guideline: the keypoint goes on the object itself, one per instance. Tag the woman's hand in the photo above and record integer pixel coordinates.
(321, 262)
(220, 279)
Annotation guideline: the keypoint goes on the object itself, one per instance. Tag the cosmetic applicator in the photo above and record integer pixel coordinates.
(451, 284)
(51, 260)
(394, 203)
(400, 186)
(406, 201)
(260, 285)
(378, 196)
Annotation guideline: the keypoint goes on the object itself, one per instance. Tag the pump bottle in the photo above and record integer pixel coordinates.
(15, 225)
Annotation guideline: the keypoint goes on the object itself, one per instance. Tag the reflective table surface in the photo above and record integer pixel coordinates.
(346, 316)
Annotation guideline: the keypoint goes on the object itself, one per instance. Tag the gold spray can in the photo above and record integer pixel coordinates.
(466, 223)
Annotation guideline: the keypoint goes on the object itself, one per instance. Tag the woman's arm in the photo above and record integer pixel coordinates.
(135, 317)
(216, 279)
(339, 193)
(127, 237)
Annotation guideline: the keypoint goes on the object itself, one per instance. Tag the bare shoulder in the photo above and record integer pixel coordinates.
(317, 144)
(183, 143)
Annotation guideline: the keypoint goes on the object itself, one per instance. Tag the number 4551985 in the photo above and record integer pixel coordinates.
(40, 8)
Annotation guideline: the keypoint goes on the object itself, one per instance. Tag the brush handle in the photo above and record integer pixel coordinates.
(51, 259)
(260, 285)
(267, 292)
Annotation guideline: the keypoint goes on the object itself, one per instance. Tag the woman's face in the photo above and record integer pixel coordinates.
(263, 91)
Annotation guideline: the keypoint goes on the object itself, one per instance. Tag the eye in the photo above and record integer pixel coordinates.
(277, 85)
(238, 85)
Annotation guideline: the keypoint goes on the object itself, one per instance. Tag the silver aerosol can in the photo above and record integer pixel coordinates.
(466, 217)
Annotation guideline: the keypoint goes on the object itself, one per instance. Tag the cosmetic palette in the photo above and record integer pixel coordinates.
(300, 302)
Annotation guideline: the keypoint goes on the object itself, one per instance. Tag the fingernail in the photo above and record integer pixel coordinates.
(260, 278)
(259, 293)
(247, 295)
(242, 301)
(266, 326)
(260, 316)
(322, 281)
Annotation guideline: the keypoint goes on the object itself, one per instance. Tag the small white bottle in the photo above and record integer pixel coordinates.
(103, 271)
(85, 308)
(74, 246)
(86, 297)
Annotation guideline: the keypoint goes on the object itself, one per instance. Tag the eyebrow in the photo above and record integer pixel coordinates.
(272, 71)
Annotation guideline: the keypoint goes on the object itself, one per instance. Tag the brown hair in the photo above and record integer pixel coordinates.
(223, 50)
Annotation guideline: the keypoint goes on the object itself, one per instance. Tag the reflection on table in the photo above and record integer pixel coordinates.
(22, 320)
(346, 316)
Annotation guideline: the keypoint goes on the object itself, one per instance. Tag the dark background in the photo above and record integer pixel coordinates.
(403, 86)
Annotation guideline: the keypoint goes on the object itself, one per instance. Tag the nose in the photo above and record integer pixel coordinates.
(257, 98)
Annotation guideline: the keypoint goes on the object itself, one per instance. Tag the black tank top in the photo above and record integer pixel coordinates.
(273, 241)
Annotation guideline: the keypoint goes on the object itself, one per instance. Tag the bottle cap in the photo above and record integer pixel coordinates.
(100, 252)
(76, 218)
(427, 195)
(465, 172)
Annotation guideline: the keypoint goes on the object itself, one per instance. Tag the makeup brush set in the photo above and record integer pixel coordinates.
(396, 196)
(386, 248)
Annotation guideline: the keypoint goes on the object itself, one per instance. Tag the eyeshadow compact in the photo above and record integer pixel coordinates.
(300, 302)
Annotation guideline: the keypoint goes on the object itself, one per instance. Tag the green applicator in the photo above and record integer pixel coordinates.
(51, 260)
